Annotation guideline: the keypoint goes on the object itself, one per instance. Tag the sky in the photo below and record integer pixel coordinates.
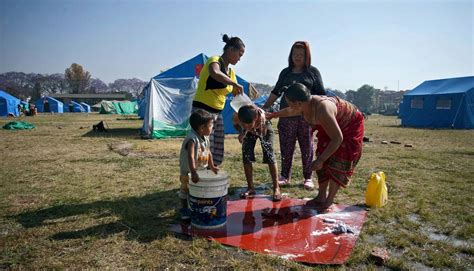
(393, 45)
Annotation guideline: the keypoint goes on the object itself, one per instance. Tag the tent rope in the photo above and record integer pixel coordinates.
(457, 112)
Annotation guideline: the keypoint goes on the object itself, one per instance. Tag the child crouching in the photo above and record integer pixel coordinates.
(195, 154)
(251, 123)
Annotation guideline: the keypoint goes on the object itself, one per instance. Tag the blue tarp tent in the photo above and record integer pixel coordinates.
(260, 101)
(48, 104)
(142, 105)
(87, 108)
(443, 103)
(168, 100)
(8, 104)
(74, 107)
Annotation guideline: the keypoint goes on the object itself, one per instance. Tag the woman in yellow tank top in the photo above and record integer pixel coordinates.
(215, 82)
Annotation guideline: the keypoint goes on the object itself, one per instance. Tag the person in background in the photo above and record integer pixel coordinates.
(340, 127)
(293, 128)
(32, 110)
(217, 80)
(251, 123)
(195, 154)
(20, 111)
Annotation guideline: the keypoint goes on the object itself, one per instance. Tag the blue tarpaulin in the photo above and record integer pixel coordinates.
(443, 103)
(48, 104)
(8, 104)
(171, 85)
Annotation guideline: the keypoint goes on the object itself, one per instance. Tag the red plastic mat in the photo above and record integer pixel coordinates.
(287, 229)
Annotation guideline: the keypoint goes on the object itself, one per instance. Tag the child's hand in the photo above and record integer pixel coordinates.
(215, 169)
(194, 177)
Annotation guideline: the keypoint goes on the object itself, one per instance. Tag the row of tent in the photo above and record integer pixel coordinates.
(9, 106)
(167, 102)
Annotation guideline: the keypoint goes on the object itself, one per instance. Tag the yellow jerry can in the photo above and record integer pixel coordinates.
(376, 194)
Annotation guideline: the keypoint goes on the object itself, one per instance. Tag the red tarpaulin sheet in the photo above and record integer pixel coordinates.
(287, 229)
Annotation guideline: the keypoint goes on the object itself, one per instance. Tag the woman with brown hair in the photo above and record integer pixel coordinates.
(293, 128)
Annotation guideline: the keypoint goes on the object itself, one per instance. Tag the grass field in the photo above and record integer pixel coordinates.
(70, 198)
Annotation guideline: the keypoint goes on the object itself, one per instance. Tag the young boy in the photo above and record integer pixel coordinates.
(195, 154)
(251, 123)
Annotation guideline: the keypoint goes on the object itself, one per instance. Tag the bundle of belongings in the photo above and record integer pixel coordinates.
(99, 127)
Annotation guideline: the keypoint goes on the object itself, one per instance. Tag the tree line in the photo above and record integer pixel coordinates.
(74, 80)
(367, 98)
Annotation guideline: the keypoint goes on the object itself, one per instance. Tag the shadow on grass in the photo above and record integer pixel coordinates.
(144, 218)
(129, 118)
(115, 133)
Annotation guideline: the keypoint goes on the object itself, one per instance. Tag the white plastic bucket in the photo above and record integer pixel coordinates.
(208, 199)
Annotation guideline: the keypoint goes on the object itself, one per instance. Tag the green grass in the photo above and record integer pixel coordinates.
(67, 200)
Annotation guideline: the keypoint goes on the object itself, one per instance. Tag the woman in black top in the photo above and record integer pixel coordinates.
(294, 128)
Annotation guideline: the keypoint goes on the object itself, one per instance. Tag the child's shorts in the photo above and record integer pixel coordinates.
(248, 146)
(183, 189)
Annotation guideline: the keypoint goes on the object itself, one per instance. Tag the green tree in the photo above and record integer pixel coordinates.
(364, 98)
(78, 79)
(351, 95)
(37, 93)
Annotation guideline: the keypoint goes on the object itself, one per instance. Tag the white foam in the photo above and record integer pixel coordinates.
(324, 231)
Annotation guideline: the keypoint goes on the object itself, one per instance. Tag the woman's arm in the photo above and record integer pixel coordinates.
(287, 112)
(271, 99)
(327, 119)
(216, 73)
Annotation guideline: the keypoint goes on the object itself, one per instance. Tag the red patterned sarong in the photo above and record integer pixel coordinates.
(339, 167)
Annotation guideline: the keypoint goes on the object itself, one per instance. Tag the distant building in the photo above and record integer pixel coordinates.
(386, 102)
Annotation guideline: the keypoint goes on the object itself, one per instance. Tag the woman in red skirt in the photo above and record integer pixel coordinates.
(340, 129)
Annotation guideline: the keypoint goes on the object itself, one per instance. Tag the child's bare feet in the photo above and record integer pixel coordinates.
(276, 194)
(250, 193)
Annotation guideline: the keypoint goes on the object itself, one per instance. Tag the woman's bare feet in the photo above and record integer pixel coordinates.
(325, 205)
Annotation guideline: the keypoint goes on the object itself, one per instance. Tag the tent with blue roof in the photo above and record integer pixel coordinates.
(443, 103)
(168, 98)
(8, 104)
(49, 104)
(74, 107)
(87, 108)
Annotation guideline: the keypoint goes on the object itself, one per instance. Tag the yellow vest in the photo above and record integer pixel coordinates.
(209, 91)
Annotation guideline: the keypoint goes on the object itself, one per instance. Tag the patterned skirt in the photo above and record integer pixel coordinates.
(340, 166)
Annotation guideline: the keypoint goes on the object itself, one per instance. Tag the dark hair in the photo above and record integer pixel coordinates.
(298, 93)
(247, 113)
(300, 45)
(199, 118)
(233, 42)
